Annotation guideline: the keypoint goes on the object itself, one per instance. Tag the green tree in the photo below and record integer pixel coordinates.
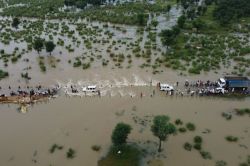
(15, 22)
(154, 23)
(161, 128)
(198, 24)
(38, 44)
(181, 21)
(50, 46)
(168, 8)
(120, 134)
(141, 19)
(168, 36)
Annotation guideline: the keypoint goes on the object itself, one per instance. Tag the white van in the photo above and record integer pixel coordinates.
(166, 87)
(91, 88)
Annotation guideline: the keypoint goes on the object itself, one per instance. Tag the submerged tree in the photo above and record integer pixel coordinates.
(120, 134)
(50, 46)
(15, 22)
(155, 23)
(38, 44)
(161, 128)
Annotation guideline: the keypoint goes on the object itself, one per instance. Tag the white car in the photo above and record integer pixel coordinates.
(166, 87)
(91, 88)
(220, 90)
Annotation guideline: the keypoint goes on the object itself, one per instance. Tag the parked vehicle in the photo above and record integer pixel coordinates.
(166, 87)
(91, 88)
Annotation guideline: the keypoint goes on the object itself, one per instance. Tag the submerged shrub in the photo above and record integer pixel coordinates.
(178, 122)
(187, 146)
(220, 163)
(54, 147)
(96, 147)
(198, 139)
(231, 138)
(190, 126)
(71, 153)
(205, 155)
(182, 130)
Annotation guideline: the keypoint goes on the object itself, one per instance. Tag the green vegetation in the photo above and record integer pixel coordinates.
(128, 156)
(190, 126)
(3, 74)
(96, 148)
(50, 46)
(198, 139)
(120, 134)
(71, 153)
(231, 10)
(54, 147)
(187, 146)
(221, 163)
(246, 163)
(38, 44)
(15, 22)
(205, 155)
(82, 3)
(162, 128)
(242, 111)
(231, 138)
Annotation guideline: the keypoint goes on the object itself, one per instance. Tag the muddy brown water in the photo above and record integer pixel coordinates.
(80, 123)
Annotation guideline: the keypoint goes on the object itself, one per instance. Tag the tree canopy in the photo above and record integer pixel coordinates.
(228, 10)
(120, 134)
(38, 44)
(82, 3)
(161, 128)
(15, 22)
(50, 46)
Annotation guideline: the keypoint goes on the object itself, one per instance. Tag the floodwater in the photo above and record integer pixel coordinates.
(80, 122)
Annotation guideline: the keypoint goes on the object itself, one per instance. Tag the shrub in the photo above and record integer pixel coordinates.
(71, 153)
(190, 126)
(231, 138)
(54, 147)
(182, 130)
(220, 163)
(197, 146)
(198, 139)
(187, 146)
(205, 155)
(178, 122)
(3, 74)
(96, 148)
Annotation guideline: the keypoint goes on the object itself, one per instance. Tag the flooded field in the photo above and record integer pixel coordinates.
(80, 123)
(126, 62)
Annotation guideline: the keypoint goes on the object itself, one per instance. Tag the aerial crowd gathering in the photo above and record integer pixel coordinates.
(31, 94)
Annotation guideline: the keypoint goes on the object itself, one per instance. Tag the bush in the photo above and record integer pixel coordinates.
(220, 163)
(178, 122)
(3, 74)
(187, 146)
(206, 155)
(182, 130)
(231, 138)
(71, 153)
(198, 139)
(96, 148)
(190, 126)
(54, 147)
(197, 146)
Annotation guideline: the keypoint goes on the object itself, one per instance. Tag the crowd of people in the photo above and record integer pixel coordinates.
(30, 91)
